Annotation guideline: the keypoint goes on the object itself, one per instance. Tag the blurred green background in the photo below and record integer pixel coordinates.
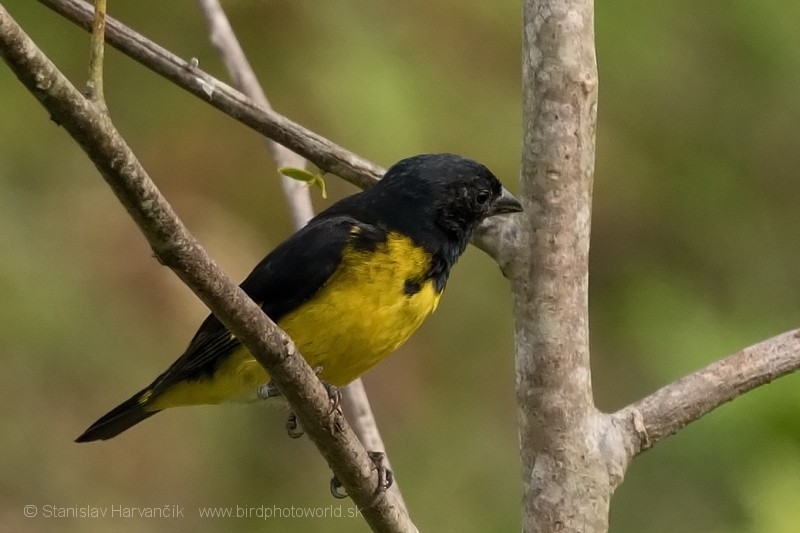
(695, 254)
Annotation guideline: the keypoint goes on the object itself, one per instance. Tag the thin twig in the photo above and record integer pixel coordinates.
(94, 85)
(317, 149)
(175, 247)
(355, 401)
(358, 410)
(230, 51)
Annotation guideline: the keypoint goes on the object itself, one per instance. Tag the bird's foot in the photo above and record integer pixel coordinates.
(293, 428)
(385, 477)
(336, 413)
(268, 390)
(335, 396)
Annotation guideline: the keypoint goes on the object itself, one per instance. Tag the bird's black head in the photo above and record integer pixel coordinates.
(456, 193)
(437, 200)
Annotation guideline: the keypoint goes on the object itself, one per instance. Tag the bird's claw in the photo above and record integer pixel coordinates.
(335, 486)
(292, 427)
(336, 414)
(385, 477)
(335, 397)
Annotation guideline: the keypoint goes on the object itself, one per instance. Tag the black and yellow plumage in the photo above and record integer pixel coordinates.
(348, 288)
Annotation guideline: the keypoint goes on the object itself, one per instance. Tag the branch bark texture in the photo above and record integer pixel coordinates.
(671, 408)
(573, 456)
(565, 479)
(176, 248)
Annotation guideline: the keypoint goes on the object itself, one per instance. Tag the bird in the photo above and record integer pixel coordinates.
(349, 288)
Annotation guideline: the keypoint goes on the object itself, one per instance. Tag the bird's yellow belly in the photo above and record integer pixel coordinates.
(358, 317)
(363, 313)
(344, 335)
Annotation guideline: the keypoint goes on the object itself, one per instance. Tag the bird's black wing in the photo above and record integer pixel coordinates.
(286, 278)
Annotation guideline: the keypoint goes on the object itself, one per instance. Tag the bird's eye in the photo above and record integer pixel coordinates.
(483, 196)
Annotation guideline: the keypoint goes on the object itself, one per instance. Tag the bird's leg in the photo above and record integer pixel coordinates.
(385, 477)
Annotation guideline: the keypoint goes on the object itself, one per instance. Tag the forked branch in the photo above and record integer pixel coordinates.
(670, 408)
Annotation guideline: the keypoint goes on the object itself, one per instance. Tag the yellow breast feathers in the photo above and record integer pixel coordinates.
(365, 310)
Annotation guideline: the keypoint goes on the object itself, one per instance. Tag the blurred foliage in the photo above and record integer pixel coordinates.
(694, 255)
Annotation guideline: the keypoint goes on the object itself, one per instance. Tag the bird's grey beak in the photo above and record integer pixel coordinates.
(505, 203)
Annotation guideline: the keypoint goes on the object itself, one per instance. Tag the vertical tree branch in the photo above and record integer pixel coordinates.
(94, 85)
(563, 475)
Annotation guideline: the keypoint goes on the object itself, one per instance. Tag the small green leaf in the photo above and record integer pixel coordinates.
(299, 174)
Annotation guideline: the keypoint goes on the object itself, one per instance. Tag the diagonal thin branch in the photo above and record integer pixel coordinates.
(320, 151)
(227, 45)
(325, 154)
(669, 409)
(175, 247)
(359, 412)
(354, 396)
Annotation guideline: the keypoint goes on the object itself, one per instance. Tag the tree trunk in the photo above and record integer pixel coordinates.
(565, 479)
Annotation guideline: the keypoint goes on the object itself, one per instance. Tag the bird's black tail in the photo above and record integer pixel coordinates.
(122, 417)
